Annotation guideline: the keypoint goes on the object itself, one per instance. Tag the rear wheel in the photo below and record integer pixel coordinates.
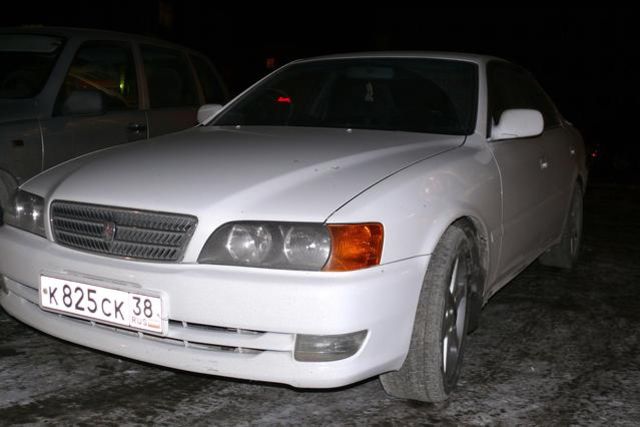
(433, 363)
(565, 253)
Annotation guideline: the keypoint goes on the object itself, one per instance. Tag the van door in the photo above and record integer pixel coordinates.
(210, 83)
(172, 89)
(98, 103)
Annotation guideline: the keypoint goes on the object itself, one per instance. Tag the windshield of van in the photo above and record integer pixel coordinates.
(400, 94)
(27, 61)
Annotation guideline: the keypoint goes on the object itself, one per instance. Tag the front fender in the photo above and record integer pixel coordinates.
(416, 205)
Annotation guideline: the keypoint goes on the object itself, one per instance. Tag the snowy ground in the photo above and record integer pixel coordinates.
(553, 347)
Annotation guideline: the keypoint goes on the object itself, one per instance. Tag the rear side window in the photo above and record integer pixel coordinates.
(169, 78)
(106, 67)
(213, 92)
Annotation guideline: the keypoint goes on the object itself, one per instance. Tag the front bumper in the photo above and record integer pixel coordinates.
(229, 321)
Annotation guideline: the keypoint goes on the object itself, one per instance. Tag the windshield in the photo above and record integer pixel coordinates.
(27, 61)
(404, 94)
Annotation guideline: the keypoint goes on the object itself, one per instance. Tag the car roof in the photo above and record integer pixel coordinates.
(469, 57)
(87, 33)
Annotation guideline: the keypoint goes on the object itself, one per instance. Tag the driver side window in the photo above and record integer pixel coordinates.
(506, 89)
(106, 68)
(512, 87)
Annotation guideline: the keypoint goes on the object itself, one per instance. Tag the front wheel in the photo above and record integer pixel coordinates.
(433, 363)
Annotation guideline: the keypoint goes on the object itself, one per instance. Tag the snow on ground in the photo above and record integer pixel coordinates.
(553, 347)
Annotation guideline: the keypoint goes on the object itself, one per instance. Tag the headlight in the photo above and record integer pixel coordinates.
(295, 246)
(307, 246)
(26, 212)
(249, 244)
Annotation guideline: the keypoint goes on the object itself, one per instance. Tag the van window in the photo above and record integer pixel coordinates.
(169, 78)
(106, 67)
(213, 92)
(27, 61)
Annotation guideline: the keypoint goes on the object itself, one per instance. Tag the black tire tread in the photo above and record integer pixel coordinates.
(420, 377)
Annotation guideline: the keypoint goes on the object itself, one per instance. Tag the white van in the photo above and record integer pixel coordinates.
(65, 92)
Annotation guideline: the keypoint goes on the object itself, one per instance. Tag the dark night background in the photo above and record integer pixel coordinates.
(585, 57)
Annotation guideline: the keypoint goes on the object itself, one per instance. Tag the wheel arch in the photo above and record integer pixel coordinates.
(475, 229)
(479, 234)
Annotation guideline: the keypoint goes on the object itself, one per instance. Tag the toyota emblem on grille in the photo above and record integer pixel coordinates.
(109, 231)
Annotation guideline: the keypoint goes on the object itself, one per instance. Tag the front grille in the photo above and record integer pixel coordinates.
(127, 233)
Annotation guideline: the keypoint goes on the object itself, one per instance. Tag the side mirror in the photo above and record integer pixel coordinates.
(83, 102)
(518, 123)
(207, 112)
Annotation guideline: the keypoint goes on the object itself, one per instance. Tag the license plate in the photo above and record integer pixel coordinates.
(102, 304)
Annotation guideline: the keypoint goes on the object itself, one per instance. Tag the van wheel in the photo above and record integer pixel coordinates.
(433, 363)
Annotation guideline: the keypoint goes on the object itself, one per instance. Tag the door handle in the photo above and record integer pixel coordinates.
(572, 151)
(136, 127)
(543, 163)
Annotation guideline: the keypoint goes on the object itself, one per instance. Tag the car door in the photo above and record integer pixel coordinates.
(171, 86)
(98, 104)
(559, 157)
(27, 63)
(521, 165)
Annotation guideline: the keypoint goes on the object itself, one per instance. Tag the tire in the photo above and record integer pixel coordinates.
(565, 253)
(433, 363)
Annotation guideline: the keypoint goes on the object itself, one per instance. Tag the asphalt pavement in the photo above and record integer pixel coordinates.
(553, 348)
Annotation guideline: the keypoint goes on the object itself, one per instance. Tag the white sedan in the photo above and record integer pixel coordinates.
(345, 217)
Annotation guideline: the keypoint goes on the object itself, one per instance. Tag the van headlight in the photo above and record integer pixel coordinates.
(295, 246)
(26, 212)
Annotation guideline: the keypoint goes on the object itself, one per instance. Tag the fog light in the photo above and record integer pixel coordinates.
(328, 348)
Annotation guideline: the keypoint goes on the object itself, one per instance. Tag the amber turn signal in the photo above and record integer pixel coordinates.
(354, 246)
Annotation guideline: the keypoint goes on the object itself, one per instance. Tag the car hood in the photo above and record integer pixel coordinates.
(223, 173)
(12, 110)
